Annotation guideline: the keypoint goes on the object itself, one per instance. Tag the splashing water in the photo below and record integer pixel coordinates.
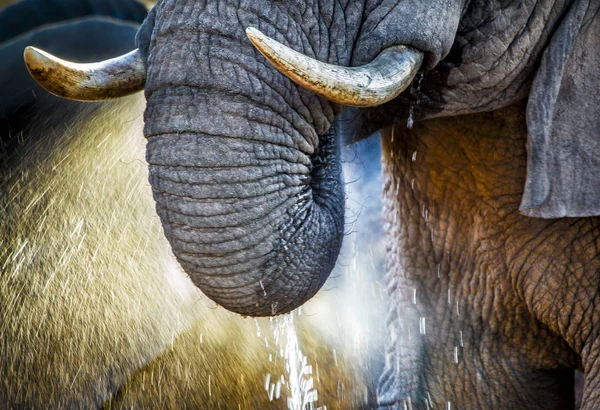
(298, 378)
(303, 395)
(414, 90)
(351, 285)
(410, 122)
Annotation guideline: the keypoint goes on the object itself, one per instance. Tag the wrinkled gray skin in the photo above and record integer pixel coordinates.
(244, 169)
(247, 185)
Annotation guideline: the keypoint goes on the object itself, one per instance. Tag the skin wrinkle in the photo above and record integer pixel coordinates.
(283, 151)
(242, 191)
(509, 84)
(220, 240)
(550, 270)
(221, 175)
(284, 95)
(237, 231)
(303, 226)
(184, 190)
(293, 129)
(512, 38)
(272, 202)
(212, 263)
(264, 81)
(277, 199)
(207, 201)
(507, 335)
(210, 208)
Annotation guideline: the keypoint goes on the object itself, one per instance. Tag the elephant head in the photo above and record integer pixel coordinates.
(243, 160)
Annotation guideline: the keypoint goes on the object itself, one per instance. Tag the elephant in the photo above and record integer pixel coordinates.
(95, 311)
(491, 174)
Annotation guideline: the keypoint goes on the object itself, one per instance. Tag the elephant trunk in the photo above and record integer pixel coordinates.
(249, 192)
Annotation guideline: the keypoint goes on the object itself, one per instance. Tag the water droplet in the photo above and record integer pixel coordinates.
(262, 287)
(410, 121)
(271, 391)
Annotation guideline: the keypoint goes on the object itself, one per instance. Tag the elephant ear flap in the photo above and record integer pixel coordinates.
(563, 120)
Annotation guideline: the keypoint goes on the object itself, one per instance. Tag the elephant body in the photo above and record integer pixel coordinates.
(507, 301)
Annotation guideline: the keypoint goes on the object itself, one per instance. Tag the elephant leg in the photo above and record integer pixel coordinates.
(554, 266)
(444, 352)
(470, 323)
(591, 388)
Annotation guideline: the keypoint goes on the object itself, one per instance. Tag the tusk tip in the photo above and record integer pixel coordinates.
(29, 51)
(255, 35)
(105, 80)
(31, 55)
(251, 31)
(36, 60)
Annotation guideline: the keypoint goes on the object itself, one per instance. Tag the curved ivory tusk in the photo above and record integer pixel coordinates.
(106, 80)
(367, 86)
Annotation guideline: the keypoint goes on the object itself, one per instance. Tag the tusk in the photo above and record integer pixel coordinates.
(380, 81)
(106, 80)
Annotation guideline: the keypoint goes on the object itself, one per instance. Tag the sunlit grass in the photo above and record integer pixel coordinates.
(85, 281)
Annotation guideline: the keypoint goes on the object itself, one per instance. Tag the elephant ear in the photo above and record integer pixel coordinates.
(563, 120)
